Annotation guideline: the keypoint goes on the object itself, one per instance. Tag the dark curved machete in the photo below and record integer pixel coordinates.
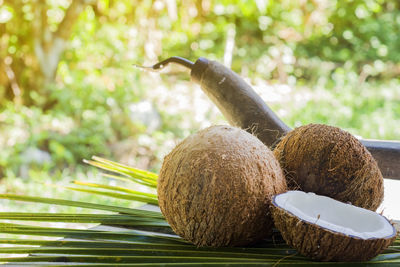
(244, 108)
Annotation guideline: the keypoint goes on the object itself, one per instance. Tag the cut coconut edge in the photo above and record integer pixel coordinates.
(354, 229)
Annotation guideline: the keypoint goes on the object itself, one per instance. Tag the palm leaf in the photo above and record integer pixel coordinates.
(79, 204)
(115, 188)
(107, 219)
(131, 196)
(139, 176)
(129, 236)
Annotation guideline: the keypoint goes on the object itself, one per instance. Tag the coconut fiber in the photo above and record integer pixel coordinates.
(215, 187)
(329, 161)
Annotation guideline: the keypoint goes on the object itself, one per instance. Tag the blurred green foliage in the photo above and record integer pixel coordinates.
(325, 61)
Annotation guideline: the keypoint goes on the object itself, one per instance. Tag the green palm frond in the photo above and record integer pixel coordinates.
(135, 175)
(107, 219)
(138, 196)
(54, 201)
(130, 236)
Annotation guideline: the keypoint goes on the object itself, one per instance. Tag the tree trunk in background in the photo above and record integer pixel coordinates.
(49, 46)
(36, 69)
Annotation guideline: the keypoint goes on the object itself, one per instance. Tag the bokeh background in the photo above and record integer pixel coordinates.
(69, 89)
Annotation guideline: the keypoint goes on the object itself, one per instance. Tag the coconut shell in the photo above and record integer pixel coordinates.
(215, 187)
(322, 244)
(329, 161)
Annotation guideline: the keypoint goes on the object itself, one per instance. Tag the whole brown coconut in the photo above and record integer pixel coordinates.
(329, 161)
(215, 187)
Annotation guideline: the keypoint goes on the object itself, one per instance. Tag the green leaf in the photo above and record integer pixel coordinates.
(136, 259)
(387, 257)
(79, 204)
(131, 196)
(128, 235)
(135, 171)
(281, 248)
(106, 219)
(139, 251)
(115, 188)
(139, 176)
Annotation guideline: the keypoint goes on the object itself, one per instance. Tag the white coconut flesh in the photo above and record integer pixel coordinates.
(334, 215)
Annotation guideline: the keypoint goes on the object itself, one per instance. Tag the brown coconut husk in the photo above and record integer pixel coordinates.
(331, 162)
(215, 187)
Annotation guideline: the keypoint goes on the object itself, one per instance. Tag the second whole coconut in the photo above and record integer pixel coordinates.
(215, 187)
(329, 161)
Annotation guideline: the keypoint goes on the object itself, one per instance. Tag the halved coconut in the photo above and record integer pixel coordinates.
(329, 230)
